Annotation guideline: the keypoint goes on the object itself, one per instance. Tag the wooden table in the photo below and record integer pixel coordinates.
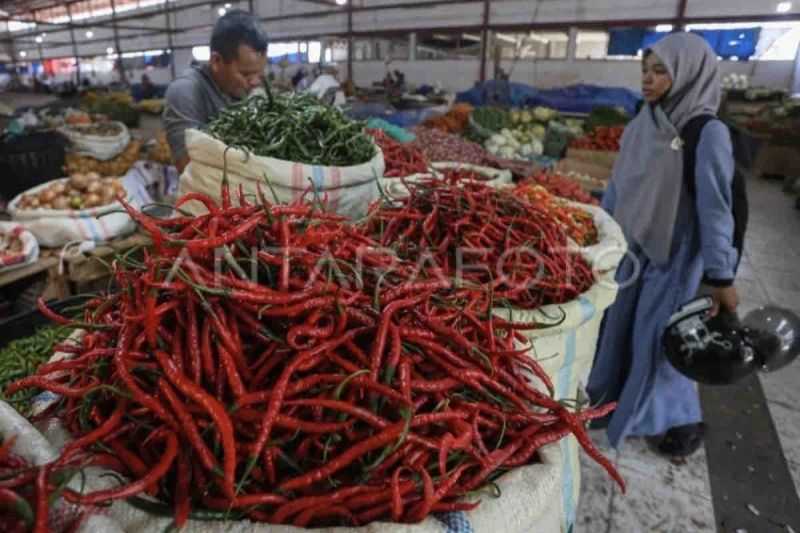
(80, 272)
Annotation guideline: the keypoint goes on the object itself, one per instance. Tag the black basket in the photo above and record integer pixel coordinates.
(30, 160)
(25, 324)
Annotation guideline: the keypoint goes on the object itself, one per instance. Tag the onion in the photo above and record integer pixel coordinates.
(92, 200)
(59, 188)
(95, 187)
(80, 181)
(62, 202)
(47, 195)
(107, 195)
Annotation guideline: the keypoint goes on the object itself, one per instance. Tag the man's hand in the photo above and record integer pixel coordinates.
(725, 298)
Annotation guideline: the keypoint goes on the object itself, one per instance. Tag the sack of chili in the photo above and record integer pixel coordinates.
(348, 190)
(408, 358)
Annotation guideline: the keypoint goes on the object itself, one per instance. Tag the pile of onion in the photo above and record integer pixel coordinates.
(80, 191)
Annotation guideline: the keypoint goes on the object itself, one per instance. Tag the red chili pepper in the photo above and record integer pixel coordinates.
(183, 503)
(217, 412)
(126, 491)
(40, 524)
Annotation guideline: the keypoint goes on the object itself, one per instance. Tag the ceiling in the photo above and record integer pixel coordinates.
(16, 7)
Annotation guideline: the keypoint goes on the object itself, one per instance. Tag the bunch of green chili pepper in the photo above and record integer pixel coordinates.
(22, 357)
(294, 127)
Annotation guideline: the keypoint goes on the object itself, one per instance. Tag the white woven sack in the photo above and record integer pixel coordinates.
(532, 497)
(30, 247)
(102, 147)
(57, 227)
(347, 190)
(567, 348)
(497, 177)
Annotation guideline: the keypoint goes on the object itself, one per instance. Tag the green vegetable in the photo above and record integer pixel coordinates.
(606, 116)
(492, 118)
(294, 128)
(21, 358)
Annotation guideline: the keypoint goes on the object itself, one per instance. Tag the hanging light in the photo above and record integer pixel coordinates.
(222, 11)
(784, 7)
(23, 53)
(227, 6)
(89, 34)
(109, 50)
(341, 2)
(38, 39)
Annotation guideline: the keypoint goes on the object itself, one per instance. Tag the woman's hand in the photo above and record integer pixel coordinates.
(725, 298)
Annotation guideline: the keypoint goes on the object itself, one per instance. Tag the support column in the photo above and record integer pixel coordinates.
(572, 43)
(795, 88)
(412, 46)
(168, 21)
(116, 42)
(484, 39)
(74, 48)
(680, 22)
(350, 41)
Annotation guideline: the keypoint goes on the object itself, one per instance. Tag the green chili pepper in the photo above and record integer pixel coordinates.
(294, 128)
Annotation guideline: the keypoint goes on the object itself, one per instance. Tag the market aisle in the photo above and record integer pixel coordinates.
(773, 252)
(667, 497)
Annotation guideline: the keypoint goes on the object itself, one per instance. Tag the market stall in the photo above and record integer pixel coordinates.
(308, 276)
(62, 191)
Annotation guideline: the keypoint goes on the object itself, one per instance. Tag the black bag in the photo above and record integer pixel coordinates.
(741, 211)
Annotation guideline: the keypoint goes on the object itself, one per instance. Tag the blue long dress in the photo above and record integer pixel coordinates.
(630, 366)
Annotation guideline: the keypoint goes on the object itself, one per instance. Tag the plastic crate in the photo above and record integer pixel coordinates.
(25, 324)
(30, 160)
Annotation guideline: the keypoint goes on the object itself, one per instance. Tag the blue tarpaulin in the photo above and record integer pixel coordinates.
(740, 43)
(573, 99)
(405, 119)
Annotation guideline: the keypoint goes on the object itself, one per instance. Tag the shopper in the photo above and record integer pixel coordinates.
(678, 242)
(327, 85)
(147, 90)
(238, 58)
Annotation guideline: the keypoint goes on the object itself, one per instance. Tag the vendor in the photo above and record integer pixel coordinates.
(238, 58)
(677, 240)
(148, 90)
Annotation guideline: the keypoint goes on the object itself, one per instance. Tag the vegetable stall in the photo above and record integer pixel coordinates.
(300, 338)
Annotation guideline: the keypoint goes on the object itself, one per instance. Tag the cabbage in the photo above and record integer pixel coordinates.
(544, 114)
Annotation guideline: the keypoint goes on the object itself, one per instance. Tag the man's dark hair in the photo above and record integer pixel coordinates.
(234, 28)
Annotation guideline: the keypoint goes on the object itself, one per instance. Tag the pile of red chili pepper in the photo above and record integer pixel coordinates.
(560, 185)
(458, 174)
(272, 362)
(578, 224)
(512, 252)
(24, 490)
(401, 159)
(604, 138)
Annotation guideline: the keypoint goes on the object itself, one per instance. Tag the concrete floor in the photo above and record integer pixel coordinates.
(666, 497)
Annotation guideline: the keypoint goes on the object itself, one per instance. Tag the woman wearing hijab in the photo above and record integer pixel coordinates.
(677, 241)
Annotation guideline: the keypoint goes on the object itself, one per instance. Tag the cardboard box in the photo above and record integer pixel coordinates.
(595, 157)
(578, 166)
